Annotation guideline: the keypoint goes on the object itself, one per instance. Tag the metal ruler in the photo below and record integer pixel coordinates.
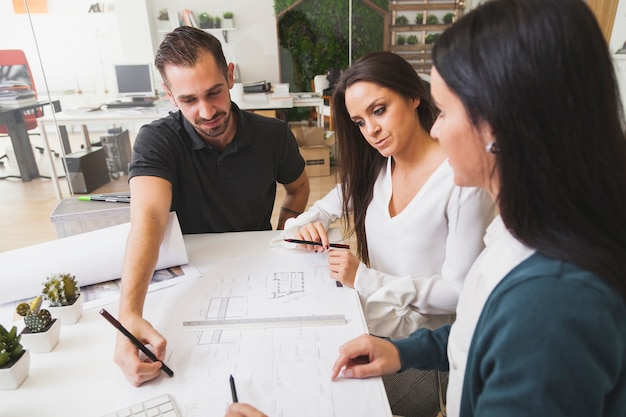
(264, 322)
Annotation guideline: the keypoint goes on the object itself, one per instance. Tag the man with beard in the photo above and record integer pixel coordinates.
(213, 164)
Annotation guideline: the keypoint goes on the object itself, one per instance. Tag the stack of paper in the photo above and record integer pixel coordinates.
(281, 90)
(257, 87)
(15, 94)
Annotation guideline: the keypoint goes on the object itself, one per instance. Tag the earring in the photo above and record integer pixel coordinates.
(492, 147)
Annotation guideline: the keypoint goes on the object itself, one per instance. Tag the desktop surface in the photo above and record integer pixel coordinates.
(133, 102)
(283, 371)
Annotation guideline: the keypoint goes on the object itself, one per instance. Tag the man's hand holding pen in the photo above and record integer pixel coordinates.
(127, 357)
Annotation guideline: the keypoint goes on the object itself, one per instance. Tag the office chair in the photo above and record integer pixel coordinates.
(14, 67)
(319, 84)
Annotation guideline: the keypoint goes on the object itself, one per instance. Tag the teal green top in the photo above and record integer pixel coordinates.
(550, 341)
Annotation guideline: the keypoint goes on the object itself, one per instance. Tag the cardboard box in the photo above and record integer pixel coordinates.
(313, 148)
(72, 216)
(308, 136)
(330, 141)
(317, 160)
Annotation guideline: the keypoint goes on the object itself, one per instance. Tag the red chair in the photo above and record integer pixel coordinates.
(14, 67)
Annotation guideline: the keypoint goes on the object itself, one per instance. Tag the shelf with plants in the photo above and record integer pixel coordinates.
(415, 25)
(203, 20)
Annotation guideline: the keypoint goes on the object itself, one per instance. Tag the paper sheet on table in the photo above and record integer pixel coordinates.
(93, 257)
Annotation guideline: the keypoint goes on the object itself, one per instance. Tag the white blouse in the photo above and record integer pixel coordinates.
(502, 253)
(418, 258)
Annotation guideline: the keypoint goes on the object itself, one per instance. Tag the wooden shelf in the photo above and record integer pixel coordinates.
(224, 31)
(419, 55)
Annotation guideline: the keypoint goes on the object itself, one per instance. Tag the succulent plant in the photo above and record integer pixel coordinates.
(163, 15)
(10, 347)
(61, 290)
(36, 319)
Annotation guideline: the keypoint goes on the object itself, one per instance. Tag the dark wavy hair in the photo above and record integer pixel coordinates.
(540, 74)
(184, 45)
(360, 162)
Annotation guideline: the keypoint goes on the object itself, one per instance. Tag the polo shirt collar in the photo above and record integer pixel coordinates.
(243, 134)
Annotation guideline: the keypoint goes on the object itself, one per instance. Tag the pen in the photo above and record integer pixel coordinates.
(135, 341)
(233, 390)
(110, 198)
(309, 242)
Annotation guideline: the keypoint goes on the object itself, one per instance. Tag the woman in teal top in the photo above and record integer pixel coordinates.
(530, 112)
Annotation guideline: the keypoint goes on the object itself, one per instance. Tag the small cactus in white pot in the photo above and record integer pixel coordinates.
(65, 300)
(41, 332)
(14, 360)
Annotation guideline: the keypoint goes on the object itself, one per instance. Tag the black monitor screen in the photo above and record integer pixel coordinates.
(134, 80)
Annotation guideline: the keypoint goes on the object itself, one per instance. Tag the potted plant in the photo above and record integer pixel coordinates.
(431, 38)
(205, 20)
(402, 20)
(448, 18)
(163, 18)
(42, 332)
(432, 19)
(14, 360)
(228, 20)
(400, 40)
(419, 18)
(411, 40)
(218, 22)
(65, 300)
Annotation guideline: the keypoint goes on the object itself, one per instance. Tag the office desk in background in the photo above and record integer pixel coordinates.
(13, 118)
(280, 103)
(84, 117)
(283, 371)
(144, 115)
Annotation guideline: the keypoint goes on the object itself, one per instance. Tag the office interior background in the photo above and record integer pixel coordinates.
(72, 47)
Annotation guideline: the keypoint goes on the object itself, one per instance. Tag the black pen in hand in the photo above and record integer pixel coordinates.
(309, 242)
(135, 341)
(233, 389)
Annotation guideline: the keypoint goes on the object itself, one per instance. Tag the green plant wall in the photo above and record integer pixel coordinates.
(314, 36)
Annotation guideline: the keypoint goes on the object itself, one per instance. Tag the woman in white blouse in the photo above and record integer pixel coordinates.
(417, 232)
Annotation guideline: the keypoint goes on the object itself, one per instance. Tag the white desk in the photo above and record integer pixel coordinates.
(145, 115)
(78, 378)
(275, 103)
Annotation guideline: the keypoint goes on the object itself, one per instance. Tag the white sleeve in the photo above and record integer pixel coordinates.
(325, 210)
(396, 304)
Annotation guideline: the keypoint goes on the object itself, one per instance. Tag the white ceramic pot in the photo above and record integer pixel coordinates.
(44, 341)
(227, 23)
(12, 378)
(68, 314)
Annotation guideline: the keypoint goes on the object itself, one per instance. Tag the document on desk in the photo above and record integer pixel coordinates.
(93, 257)
(284, 371)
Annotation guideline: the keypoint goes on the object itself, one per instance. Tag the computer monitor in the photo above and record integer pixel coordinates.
(134, 80)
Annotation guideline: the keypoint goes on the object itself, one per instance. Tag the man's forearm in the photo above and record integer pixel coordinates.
(296, 198)
(142, 252)
(293, 205)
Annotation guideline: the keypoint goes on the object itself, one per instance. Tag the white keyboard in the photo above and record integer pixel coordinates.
(161, 406)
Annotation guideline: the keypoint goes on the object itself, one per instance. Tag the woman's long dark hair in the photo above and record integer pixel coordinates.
(540, 74)
(360, 163)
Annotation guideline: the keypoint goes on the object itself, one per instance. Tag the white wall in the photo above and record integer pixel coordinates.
(78, 49)
(253, 46)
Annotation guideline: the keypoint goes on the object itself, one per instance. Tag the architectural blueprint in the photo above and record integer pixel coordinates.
(283, 371)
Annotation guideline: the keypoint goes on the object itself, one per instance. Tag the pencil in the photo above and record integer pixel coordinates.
(233, 389)
(310, 242)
